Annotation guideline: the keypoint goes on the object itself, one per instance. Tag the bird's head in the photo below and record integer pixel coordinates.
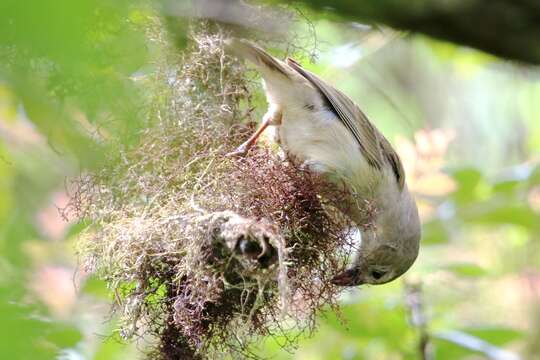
(388, 250)
(381, 262)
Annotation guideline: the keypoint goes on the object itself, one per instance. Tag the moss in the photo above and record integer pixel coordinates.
(150, 237)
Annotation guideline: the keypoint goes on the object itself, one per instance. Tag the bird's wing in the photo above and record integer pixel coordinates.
(373, 145)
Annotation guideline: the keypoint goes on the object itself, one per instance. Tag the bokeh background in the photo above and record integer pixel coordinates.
(466, 124)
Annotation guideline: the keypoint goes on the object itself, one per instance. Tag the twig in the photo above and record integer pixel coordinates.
(473, 343)
(418, 318)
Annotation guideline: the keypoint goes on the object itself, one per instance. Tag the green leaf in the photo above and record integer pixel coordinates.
(24, 333)
(504, 213)
(467, 181)
(465, 269)
(534, 178)
(375, 320)
(96, 287)
(508, 187)
(452, 340)
(495, 335)
(434, 232)
(447, 350)
(112, 348)
(64, 336)
(77, 228)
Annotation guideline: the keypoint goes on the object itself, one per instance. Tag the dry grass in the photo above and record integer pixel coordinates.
(148, 238)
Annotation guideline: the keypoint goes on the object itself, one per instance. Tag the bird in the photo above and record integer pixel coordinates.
(321, 127)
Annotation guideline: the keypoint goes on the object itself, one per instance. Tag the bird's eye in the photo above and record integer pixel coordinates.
(377, 274)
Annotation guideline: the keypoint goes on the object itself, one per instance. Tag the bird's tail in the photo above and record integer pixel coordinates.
(265, 63)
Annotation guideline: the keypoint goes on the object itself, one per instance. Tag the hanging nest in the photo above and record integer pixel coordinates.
(205, 253)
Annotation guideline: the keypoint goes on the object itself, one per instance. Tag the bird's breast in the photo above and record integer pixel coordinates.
(319, 139)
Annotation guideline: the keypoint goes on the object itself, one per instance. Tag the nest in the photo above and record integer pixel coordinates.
(205, 253)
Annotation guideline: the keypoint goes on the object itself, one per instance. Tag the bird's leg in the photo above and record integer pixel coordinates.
(272, 117)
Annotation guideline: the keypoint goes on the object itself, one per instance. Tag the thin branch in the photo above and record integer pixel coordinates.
(418, 319)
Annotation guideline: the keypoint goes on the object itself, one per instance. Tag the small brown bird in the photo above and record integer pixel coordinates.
(325, 130)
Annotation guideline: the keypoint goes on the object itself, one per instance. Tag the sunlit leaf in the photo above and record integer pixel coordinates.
(495, 335)
(517, 214)
(507, 187)
(111, 348)
(468, 181)
(63, 336)
(76, 228)
(434, 232)
(465, 269)
(448, 350)
(96, 287)
(24, 333)
(6, 178)
(471, 344)
(391, 325)
(534, 178)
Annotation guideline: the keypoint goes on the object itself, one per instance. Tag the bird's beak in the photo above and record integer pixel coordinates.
(348, 277)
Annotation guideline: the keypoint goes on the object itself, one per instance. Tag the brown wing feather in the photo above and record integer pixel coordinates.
(393, 159)
(373, 145)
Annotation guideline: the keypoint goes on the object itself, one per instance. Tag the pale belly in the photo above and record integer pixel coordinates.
(319, 141)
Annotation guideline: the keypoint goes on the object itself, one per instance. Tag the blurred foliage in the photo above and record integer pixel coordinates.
(68, 81)
(74, 73)
(457, 21)
(71, 66)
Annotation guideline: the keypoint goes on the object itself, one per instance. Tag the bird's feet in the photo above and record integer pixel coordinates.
(240, 151)
(272, 117)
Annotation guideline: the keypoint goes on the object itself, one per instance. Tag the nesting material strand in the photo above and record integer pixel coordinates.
(157, 221)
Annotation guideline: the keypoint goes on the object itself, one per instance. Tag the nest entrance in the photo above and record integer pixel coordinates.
(208, 253)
